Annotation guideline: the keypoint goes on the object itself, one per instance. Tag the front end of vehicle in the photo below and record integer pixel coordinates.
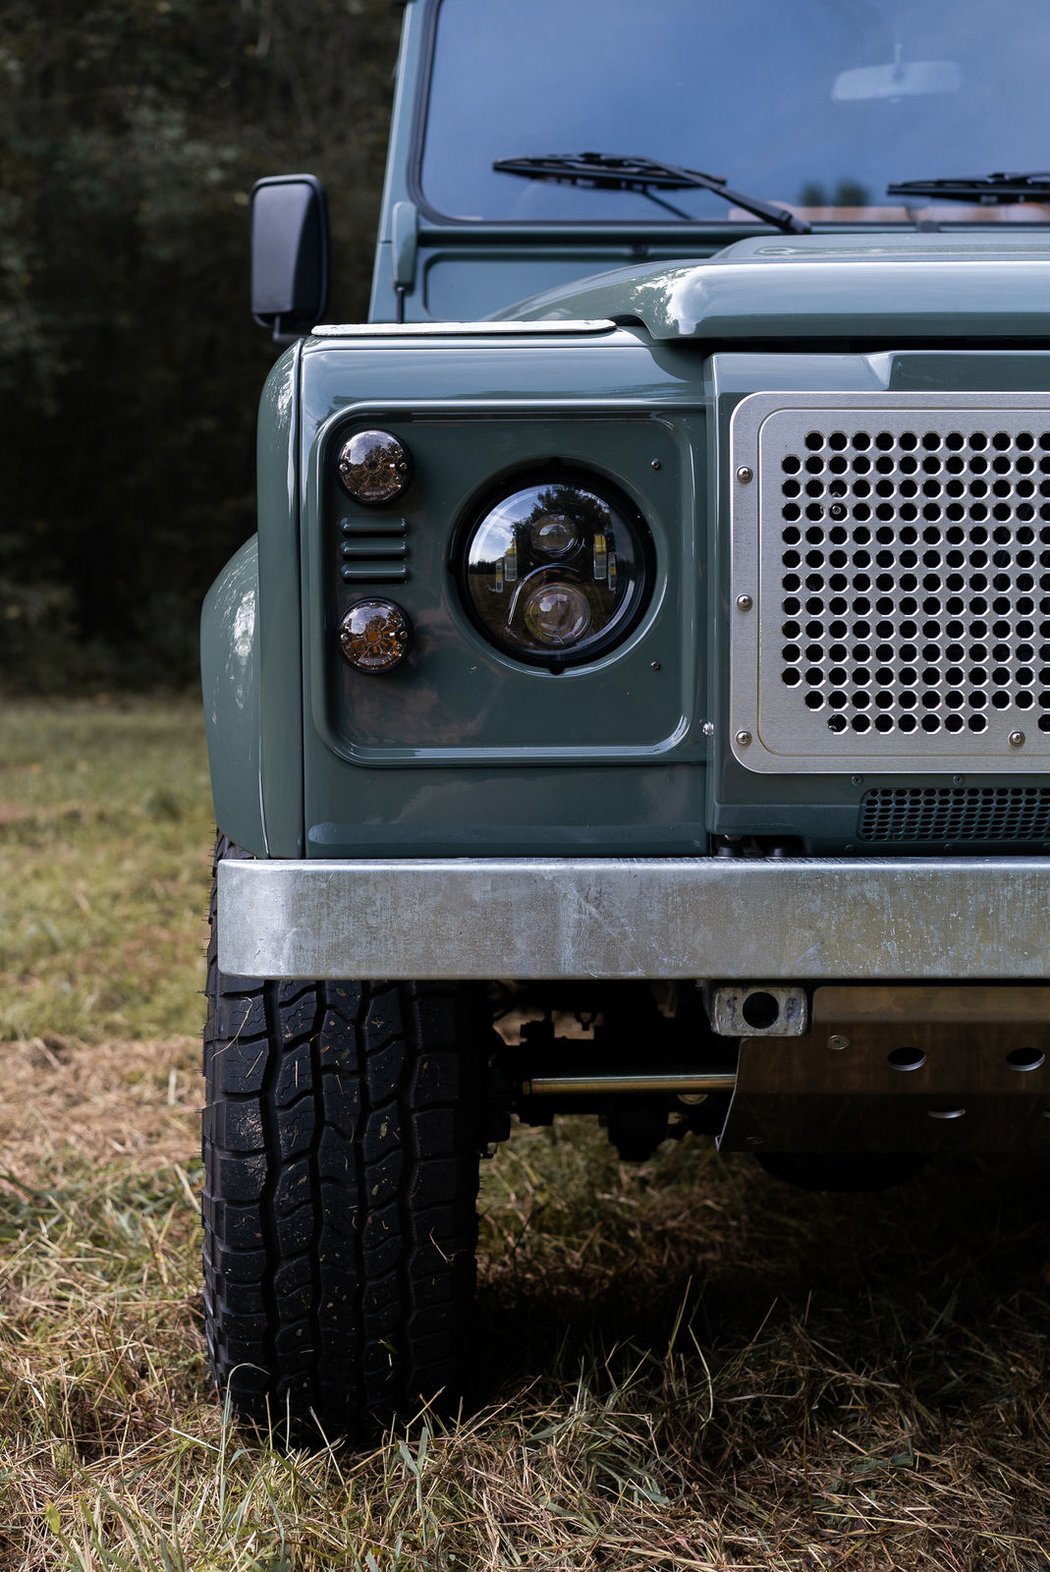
(650, 683)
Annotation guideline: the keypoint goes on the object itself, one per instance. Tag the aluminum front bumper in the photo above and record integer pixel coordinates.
(531, 918)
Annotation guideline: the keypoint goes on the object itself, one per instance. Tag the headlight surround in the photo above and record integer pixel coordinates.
(556, 569)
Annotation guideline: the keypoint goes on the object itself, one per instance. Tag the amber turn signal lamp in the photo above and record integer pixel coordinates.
(375, 636)
(374, 467)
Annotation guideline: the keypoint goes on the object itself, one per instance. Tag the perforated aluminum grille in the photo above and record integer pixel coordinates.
(915, 584)
(900, 549)
(955, 814)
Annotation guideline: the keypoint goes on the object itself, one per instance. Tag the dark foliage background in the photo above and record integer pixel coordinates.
(131, 132)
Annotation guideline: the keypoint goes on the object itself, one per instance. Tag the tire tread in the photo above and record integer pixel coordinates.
(341, 1144)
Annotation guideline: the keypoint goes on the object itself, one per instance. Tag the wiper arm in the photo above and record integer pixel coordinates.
(985, 190)
(645, 175)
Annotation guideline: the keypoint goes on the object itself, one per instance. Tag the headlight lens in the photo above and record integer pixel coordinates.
(557, 572)
(557, 614)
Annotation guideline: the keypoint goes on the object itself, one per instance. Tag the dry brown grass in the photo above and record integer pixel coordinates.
(679, 1366)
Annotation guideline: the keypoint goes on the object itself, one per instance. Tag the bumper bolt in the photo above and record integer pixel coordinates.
(837, 1042)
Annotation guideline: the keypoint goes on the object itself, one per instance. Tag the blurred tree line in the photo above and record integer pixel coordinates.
(131, 132)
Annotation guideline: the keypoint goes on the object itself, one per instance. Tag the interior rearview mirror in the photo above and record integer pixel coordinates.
(897, 79)
(289, 219)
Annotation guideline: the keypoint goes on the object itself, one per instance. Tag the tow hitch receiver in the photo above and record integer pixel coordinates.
(900, 1069)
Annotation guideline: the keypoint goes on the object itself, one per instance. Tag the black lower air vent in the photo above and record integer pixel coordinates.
(955, 813)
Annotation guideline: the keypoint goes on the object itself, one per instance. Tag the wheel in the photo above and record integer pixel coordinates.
(341, 1144)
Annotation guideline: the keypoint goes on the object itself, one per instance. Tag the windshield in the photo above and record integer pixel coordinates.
(813, 104)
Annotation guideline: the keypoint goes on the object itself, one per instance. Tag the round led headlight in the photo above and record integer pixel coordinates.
(374, 636)
(557, 572)
(374, 467)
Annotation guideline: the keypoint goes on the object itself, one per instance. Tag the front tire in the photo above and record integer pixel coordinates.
(341, 1144)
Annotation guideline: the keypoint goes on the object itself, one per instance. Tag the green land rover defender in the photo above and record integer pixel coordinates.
(636, 698)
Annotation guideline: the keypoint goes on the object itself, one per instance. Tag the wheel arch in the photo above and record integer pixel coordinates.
(232, 707)
(251, 647)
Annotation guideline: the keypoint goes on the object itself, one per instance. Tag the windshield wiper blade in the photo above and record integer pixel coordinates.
(645, 175)
(985, 190)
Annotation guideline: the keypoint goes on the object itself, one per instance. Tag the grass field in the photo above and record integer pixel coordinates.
(680, 1365)
(105, 851)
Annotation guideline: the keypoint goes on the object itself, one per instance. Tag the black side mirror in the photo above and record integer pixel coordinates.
(289, 254)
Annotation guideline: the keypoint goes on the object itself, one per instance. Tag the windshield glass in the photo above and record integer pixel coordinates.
(813, 104)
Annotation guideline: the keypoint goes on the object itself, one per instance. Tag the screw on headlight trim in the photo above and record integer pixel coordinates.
(745, 474)
(743, 739)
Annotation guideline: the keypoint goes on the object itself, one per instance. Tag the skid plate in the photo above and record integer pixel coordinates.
(900, 1070)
